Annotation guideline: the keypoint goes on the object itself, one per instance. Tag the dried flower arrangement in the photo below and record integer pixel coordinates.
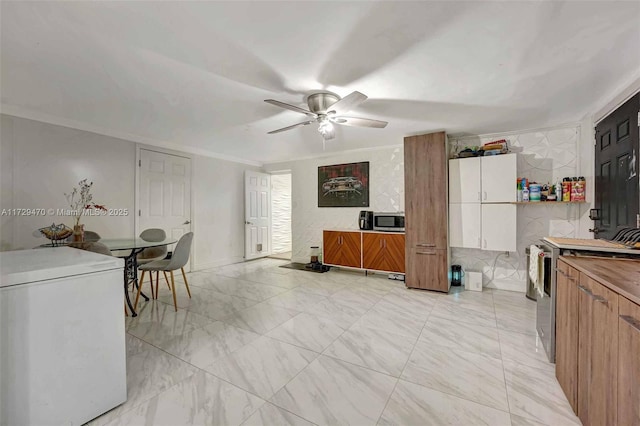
(80, 200)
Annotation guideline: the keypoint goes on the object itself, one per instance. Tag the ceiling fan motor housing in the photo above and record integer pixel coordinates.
(319, 103)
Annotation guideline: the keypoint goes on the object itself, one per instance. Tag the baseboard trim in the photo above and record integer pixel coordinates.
(217, 263)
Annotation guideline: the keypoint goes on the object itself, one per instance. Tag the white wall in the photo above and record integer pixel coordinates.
(281, 213)
(543, 156)
(218, 213)
(386, 174)
(40, 162)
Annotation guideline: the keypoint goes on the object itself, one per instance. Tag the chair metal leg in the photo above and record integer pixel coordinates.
(166, 279)
(135, 304)
(173, 290)
(186, 282)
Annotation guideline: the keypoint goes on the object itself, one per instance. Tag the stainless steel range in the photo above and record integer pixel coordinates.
(554, 248)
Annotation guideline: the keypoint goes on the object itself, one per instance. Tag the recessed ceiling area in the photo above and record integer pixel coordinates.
(195, 74)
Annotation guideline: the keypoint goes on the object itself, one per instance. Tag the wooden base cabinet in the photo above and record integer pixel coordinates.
(373, 251)
(342, 248)
(597, 353)
(567, 327)
(383, 252)
(598, 342)
(628, 362)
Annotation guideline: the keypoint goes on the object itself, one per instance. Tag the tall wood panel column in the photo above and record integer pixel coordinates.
(425, 182)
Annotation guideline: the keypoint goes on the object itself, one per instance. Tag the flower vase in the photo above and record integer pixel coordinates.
(78, 233)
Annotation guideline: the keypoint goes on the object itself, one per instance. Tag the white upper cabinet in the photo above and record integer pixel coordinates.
(499, 176)
(464, 180)
(499, 227)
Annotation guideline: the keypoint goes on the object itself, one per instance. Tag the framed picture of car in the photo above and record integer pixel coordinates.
(344, 185)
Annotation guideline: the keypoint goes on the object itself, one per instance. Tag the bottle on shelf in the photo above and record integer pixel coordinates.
(566, 189)
(519, 190)
(580, 191)
(559, 190)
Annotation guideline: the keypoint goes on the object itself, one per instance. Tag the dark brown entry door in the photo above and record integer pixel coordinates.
(616, 187)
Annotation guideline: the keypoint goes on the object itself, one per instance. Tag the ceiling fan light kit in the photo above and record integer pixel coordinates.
(326, 108)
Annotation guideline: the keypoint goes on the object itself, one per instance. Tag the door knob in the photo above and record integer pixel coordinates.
(246, 222)
(186, 222)
(595, 230)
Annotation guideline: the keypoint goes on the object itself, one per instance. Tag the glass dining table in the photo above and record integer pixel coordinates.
(134, 246)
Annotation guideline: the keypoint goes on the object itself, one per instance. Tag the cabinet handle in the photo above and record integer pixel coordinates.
(479, 197)
(479, 242)
(595, 297)
(385, 243)
(426, 253)
(485, 243)
(340, 240)
(600, 299)
(380, 242)
(565, 275)
(631, 321)
(425, 245)
(583, 289)
(485, 195)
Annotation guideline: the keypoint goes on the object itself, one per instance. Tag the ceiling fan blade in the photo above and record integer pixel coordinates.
(290, 107)
(284, 129)
(348, 103)
(359, 122)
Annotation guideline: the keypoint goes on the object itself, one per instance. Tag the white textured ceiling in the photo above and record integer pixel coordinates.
(195, 74)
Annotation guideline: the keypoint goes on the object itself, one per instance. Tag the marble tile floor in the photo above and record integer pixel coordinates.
(263, 345)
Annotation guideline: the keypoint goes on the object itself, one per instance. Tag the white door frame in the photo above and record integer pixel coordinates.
(136, 212)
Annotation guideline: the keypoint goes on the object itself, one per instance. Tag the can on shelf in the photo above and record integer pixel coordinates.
(566, 189)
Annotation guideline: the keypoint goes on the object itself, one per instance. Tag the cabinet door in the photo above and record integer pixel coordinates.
(597, 353)
(429, 269)
(499, 227)
(464, 180)
(465, 225)
(567, 332)
(331, 247)
(499, 178)
(425, 181)
(628, 362)
(394, 247)
(350, 249)
(372, 251)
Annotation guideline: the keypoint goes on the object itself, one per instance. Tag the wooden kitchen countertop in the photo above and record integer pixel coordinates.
(620, 275)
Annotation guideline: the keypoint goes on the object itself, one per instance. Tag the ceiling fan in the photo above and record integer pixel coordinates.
(326, 109)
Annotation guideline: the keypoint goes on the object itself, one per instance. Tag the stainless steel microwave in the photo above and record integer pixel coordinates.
(393, 222)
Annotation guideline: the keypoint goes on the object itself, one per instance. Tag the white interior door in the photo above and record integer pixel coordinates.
(164, 196)
(257, 215)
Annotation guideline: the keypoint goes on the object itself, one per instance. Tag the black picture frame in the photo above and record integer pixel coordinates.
(344, 185)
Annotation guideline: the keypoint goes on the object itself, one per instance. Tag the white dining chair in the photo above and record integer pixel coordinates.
(178, 260)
